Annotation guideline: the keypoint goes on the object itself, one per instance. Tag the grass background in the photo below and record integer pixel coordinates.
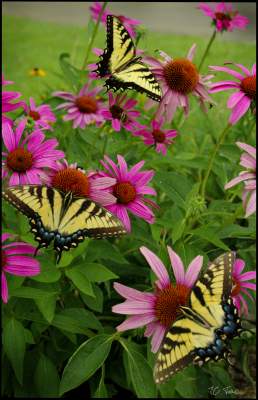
(28, 44)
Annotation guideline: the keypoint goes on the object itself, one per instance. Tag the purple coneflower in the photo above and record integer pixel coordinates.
(178, 78)
(129, 190)
(129, 23)
(85, 108)
(71, 178)
(7, 105)
(25, 160)
(245, 95)
(121, 112)
(240, 285)
(247, 160)
(160, 309)
(16, 263)
(42, 116)
(223, 17)
(156, 136)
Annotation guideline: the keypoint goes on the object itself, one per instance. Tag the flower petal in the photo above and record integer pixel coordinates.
(4, 288)
(134, 307)
(135, 321)
(238, 267)
(177, 266)
(193, 271)
(247, 275)
(157, 337)
(156, 265)
(251, 205)
(239, 110)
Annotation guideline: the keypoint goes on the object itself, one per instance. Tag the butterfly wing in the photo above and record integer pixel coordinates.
(63, 217)
(125, 69)
(195, 328)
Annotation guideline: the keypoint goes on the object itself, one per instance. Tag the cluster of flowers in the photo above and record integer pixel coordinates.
(29, 158)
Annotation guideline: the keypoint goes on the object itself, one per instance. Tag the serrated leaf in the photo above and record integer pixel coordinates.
(46, 378)
(86, 360)
(14, 346)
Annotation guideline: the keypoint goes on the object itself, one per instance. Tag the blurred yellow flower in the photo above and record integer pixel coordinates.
(37, 72)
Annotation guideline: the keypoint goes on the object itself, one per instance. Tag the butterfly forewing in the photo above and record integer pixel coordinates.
(196, 327)
(125, 69)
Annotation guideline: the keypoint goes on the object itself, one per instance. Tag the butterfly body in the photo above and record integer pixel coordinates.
(119, 63)
(206, 325)
(61, 217)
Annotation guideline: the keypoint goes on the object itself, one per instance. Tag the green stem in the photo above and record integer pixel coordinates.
(219, 143)
(207, 50)
(93, 35)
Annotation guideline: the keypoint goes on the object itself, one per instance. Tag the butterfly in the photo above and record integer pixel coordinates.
(63, 217)
(206, 325)
(120, 63)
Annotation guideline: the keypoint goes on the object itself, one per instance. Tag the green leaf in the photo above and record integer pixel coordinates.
(96, 303)
(211, 235)
(32, 293)
(47, 306)
(28, 336)
(140, 372)
(86, 360)
(104, 250)
(185, 383)
(46, 378)
(176, 186)
(98, 272)
(80, 280)
(85, 318)
(49, 273)
(70, 72)
(101, 391)
(14, 346)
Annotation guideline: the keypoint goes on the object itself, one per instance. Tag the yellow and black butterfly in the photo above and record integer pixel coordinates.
(120, 63)
(63, 217)
(206, 326)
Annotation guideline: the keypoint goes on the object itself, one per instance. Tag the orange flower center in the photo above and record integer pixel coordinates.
(86, 104)
(71, 180)
(236, 288)
(158, 136)
(34, 115)
(118, 113)
(19, 160)
(248, 85)
(168, 302)
(181, 75)
(124, 192)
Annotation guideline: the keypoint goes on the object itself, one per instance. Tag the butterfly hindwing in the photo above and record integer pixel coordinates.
(62, 217)
(119, 62)
(195, 327)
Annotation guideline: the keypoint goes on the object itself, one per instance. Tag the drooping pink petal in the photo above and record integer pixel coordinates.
(239, 110)
(251, 205)
(239, 265)
(249, 285)
(4, 288)
(157, 338)
(227, 70)
(249, 149)
(247, 275)
(157, 266)
(240, 178)
(234, 99)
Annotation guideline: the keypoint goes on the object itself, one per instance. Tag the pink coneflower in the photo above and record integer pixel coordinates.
(71, 178)
(129, 190)
(122, 113)
(84, 108)
(129, 23)
(7, 105)
(160, 309)
(223, 17)
(42, 116)
(156, 136)
(16, 263)
(26, 159)
(240, 285)
(248, 160)
(178, 78)
(244, 97)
